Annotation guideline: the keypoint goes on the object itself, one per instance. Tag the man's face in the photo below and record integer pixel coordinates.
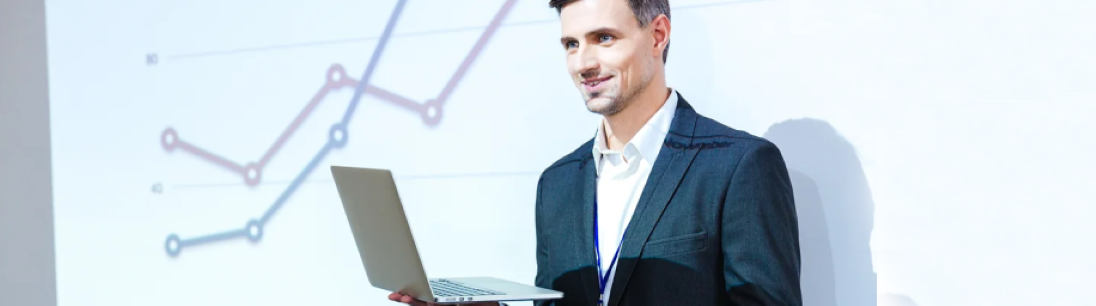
(609, 56)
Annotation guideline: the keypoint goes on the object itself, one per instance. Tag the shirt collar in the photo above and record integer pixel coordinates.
(647, 141)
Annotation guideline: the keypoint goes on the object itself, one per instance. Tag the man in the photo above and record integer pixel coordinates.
(663, 206)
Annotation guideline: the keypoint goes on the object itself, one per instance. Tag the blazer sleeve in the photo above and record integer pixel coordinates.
(760, 231)
(543, 279)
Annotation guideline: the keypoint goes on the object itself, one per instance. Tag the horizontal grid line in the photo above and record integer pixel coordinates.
(408, 34)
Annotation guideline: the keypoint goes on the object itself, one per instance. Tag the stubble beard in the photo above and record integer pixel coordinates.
(617, 103)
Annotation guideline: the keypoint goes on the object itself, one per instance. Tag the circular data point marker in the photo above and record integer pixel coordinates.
(169, 139)
(254, 230)
(252, 174)
(335, 74)
(173, 246)
(431, 114)
(337, 136)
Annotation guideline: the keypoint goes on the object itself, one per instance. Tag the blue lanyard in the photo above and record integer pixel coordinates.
(603, 277)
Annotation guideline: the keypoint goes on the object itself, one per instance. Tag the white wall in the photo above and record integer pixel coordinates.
(26, 206)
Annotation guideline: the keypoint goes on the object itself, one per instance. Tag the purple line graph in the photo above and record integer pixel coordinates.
(337, 78)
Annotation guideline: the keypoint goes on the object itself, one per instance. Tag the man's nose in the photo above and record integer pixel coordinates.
(586, 61)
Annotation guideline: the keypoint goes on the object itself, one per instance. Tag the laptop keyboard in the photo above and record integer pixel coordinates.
(442, 287)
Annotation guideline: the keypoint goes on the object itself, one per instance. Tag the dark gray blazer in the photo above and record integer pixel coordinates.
(715, 224)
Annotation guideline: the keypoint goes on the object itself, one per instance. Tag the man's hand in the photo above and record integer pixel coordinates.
(407, 299)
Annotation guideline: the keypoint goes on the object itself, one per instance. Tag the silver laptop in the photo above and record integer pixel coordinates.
(388, 250)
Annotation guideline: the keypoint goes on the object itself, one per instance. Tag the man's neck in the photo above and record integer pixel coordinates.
(622, 126)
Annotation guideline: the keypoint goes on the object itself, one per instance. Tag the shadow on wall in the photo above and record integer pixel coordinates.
(836, 213)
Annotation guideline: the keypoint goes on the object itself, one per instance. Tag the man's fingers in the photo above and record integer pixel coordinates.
(411, 301)
(406, 299)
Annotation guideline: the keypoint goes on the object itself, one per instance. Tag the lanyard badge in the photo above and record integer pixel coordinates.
(603, 277)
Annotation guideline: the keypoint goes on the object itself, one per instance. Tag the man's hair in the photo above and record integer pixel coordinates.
(645, 11)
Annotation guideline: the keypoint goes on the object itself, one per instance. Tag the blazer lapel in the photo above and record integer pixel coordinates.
(673, 160)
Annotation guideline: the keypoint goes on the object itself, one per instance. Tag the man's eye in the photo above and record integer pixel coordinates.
(604, 38)
(571, 45)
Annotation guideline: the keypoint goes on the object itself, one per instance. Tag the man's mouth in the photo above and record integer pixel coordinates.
(592, 84)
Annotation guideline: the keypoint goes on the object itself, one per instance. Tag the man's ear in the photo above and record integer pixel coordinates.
(661, 30)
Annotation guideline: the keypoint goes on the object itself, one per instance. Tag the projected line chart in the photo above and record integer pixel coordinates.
(337, 78)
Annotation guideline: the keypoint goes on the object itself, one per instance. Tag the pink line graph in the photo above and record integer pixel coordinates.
(430, 111)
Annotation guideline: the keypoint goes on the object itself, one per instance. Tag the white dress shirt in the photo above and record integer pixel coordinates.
(621, 176)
